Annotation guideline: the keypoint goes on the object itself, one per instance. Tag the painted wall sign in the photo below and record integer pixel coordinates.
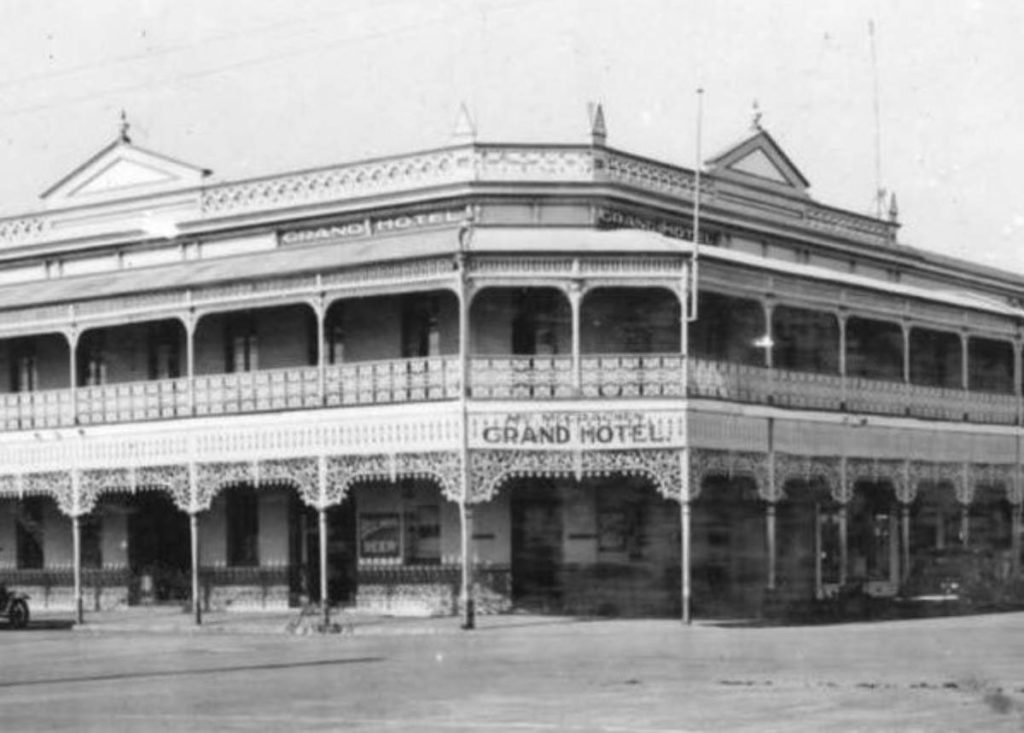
(576, 430)
(616, 219)
(373, 226)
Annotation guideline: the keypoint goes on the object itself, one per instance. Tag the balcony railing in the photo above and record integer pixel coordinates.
(605, 376)
(521, 377)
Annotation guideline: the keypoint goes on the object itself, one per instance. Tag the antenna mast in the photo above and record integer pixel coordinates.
(879, 191)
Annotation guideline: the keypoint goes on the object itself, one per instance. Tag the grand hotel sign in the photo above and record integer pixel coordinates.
(578, 430)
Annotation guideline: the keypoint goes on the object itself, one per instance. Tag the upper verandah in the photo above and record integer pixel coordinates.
(125, 191)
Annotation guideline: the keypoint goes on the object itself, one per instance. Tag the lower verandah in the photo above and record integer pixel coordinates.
(601, 546)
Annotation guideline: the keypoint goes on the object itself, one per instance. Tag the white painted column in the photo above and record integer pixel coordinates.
(72, 337)
(904, 541)
(320, 311)
(770, 536)
(685, 560)
(843, 545)
(190, 360)
(193, 529)
(575, 302)
(76, 550)
(841, 318)
(325, 603)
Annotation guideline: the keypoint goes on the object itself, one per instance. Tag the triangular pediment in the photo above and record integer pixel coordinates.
(122, 170)
(759, 161)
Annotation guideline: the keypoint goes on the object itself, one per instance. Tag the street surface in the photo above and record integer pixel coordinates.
(534, 674)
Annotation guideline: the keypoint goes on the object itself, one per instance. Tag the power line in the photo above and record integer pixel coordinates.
(335, 43)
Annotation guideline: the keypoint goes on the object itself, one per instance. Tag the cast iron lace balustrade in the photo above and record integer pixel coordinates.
(49, 408)
(631, 375)
(521, 377)
(424, 379)
(133, 401)
(269, 389)
(397, 380)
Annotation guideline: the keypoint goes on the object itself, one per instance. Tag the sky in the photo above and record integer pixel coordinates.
(258, 87)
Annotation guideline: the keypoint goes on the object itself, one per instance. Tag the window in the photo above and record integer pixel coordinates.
(24, 372)
(164, 352)
(335, 343)
(92, 363)
(423, 534)
(241, 349)
(29, 524)
(242, 506)
(421, 328)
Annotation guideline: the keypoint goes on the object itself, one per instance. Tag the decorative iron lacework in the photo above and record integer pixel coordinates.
(57, 484)
(706, 462)
(955, 474)
(212, 477)
(302, 473)
(895, 472)
(1005, 475)
(789, 467)
(444, 467)
(663, 467)
(491, 469)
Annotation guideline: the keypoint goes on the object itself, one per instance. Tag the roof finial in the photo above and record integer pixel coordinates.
(464, 130)
(894, 209)
(598, 131)
(125, 127)
(755, 122)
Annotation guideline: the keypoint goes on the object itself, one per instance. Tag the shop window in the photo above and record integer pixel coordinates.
(241, 345)
(164, 352)
(24, 370)
(29, 531)
(243, 527)
(423, 535)
(91, 527)
(380, 536)
(411, 535)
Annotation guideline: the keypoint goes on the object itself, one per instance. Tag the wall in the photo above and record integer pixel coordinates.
(619, 320)
(282, 338)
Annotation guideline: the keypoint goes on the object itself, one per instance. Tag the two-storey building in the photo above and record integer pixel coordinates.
(486, 366)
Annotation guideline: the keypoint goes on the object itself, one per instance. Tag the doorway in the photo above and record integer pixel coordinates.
(536, 546)
(159, 554)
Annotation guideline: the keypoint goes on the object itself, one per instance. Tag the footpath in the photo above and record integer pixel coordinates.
(175, 620)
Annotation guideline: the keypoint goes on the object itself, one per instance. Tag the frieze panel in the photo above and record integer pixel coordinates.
(789, 467)
(489, 469)
(443, 467)
(893, 472)
(212, 477)
(662, 467)
(57, 484)
(1005, 475)
(730, 464)
(301, 473)
(933, 472)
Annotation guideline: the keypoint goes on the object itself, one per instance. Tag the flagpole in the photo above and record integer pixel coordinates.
(687, 316)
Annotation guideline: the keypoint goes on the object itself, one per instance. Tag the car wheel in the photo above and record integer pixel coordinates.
(17, 615)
